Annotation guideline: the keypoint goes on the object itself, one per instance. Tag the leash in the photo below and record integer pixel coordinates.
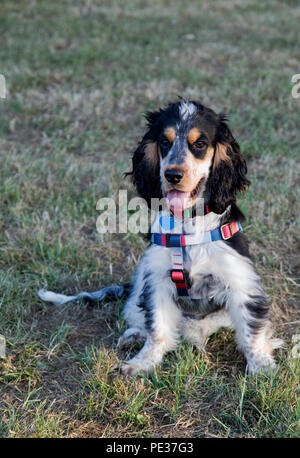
(176, 242)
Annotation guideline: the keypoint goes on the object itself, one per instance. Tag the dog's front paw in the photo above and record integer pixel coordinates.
(261, 365)
(136, 366)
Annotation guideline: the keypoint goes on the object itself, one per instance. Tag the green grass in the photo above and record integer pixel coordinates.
(79, 75)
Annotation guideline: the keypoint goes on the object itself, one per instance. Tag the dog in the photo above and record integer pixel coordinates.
(188, 153)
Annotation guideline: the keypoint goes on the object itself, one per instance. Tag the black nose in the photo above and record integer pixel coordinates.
(174, 175)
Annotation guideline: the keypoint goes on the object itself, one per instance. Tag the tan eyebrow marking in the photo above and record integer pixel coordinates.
(170, 134)
(193, 135)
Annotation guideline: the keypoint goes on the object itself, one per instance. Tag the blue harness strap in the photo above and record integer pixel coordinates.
(224, 232)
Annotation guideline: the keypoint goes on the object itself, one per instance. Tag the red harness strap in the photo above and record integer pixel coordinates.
(177, 241)
(178, 274)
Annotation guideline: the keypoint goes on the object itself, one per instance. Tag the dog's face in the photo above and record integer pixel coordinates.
(188, 150)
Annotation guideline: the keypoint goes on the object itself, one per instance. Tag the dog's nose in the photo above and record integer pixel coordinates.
(174, 176)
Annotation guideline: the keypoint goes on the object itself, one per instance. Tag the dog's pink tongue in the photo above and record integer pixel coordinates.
(178, 201)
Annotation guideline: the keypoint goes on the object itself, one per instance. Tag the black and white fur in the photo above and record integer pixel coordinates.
(222, 273)
(231, 294)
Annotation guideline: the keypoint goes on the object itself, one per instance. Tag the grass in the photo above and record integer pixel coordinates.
(79, 75)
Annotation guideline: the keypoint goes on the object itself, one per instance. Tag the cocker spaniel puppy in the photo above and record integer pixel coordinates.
(189, 152)
(196, 275)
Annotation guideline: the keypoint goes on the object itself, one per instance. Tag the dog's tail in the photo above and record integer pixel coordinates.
(110, 292)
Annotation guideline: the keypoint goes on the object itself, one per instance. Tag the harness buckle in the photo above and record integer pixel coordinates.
(227, 231)
(180, 278)
(177, 276)
(224, 231)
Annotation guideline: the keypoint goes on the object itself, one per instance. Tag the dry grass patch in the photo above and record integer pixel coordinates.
(78, 77)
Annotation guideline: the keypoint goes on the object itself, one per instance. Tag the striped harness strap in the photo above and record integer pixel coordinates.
(177, 241)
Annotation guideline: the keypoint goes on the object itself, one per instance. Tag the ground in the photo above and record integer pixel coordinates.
(79, 75)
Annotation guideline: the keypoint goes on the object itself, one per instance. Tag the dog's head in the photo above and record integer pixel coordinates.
(188, 150)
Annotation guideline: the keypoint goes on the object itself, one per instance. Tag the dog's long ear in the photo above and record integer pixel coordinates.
(228, 174)
(145, 162)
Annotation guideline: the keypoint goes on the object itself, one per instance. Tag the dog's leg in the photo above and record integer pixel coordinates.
(197, 331)
(162, 319)
(133, 313)
(253, 332)
(239, 289)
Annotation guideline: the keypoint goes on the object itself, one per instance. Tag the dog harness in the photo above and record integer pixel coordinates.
(168, 237)
(176, 242)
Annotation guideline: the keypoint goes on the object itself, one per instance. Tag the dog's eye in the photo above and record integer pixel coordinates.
(199, 144)
(164, 142)
(165, 146)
